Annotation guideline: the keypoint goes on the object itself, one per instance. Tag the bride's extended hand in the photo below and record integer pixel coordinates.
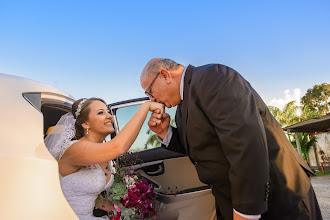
(155, 105)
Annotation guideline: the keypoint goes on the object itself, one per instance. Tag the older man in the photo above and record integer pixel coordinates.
(237, 146)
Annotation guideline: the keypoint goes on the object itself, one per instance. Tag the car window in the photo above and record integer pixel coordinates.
(146, 139)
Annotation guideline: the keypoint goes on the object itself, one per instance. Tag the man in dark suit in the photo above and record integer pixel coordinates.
(237, 146)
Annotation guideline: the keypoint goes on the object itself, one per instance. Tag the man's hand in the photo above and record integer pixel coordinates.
(159, 123)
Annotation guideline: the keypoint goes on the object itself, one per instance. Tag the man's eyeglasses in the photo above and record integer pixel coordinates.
(148, 88)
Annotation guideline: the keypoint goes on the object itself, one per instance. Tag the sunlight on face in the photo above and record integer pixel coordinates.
(100, 119)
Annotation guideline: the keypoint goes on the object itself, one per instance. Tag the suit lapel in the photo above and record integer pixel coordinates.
(185, 103)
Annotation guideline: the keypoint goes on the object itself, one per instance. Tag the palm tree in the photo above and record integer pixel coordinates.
(289, 115)
(306, 143)
(307, 113)
(277, 113)
(292, 114)
(152, 140)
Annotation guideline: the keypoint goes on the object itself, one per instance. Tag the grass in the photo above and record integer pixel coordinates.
(319, 173)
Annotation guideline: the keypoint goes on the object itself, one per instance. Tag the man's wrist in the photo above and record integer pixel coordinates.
(166, 140)
(163, 134)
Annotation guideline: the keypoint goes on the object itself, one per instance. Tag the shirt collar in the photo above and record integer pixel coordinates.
(182, 81)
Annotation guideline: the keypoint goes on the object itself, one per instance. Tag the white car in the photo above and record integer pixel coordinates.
(30, 186)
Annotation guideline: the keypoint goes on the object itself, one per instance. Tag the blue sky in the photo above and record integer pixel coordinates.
(98, 48)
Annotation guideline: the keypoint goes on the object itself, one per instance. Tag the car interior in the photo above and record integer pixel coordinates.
(52, 112)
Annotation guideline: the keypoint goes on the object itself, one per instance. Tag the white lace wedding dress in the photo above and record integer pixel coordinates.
(82, 188)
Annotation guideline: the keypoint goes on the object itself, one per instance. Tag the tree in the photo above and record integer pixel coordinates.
(152, 140)
(307, 113)
(289, 115)
(317, 99)
(316, 102)
(277, 113)
(305, 142)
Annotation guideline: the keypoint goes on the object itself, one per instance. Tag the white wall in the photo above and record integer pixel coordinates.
(323, 142)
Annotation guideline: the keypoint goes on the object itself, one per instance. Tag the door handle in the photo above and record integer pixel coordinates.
(154, 169)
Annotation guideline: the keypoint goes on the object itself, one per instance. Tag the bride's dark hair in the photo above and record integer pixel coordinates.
(83, 116)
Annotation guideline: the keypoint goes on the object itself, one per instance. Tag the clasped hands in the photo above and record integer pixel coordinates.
(159, 122)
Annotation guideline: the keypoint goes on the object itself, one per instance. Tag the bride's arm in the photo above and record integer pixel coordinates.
(84, 153)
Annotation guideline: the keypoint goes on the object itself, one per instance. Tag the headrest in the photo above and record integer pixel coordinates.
(49, 129)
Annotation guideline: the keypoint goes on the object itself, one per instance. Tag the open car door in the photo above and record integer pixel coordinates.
(183, 195)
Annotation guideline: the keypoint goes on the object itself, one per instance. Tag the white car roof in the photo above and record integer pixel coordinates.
(16, 84)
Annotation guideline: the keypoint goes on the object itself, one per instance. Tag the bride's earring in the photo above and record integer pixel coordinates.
(87, 130)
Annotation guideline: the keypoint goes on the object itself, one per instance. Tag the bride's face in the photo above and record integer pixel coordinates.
(99, 118)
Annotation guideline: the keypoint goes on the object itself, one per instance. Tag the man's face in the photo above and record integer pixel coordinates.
(162, 89)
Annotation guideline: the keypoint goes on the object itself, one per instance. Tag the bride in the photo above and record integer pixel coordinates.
(84, 159)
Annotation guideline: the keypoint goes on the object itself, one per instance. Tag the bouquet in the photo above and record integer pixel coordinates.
(133, 196)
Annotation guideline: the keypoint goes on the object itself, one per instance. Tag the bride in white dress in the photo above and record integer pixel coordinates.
(85, 166)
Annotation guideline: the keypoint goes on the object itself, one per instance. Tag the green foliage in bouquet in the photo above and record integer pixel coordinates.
(133, 196)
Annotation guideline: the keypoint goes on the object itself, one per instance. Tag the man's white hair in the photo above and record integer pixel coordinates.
(154, 65)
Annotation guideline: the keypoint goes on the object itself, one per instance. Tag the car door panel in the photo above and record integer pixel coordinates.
(180, 189)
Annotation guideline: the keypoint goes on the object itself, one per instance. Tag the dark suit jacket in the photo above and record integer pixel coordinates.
(236, 144)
